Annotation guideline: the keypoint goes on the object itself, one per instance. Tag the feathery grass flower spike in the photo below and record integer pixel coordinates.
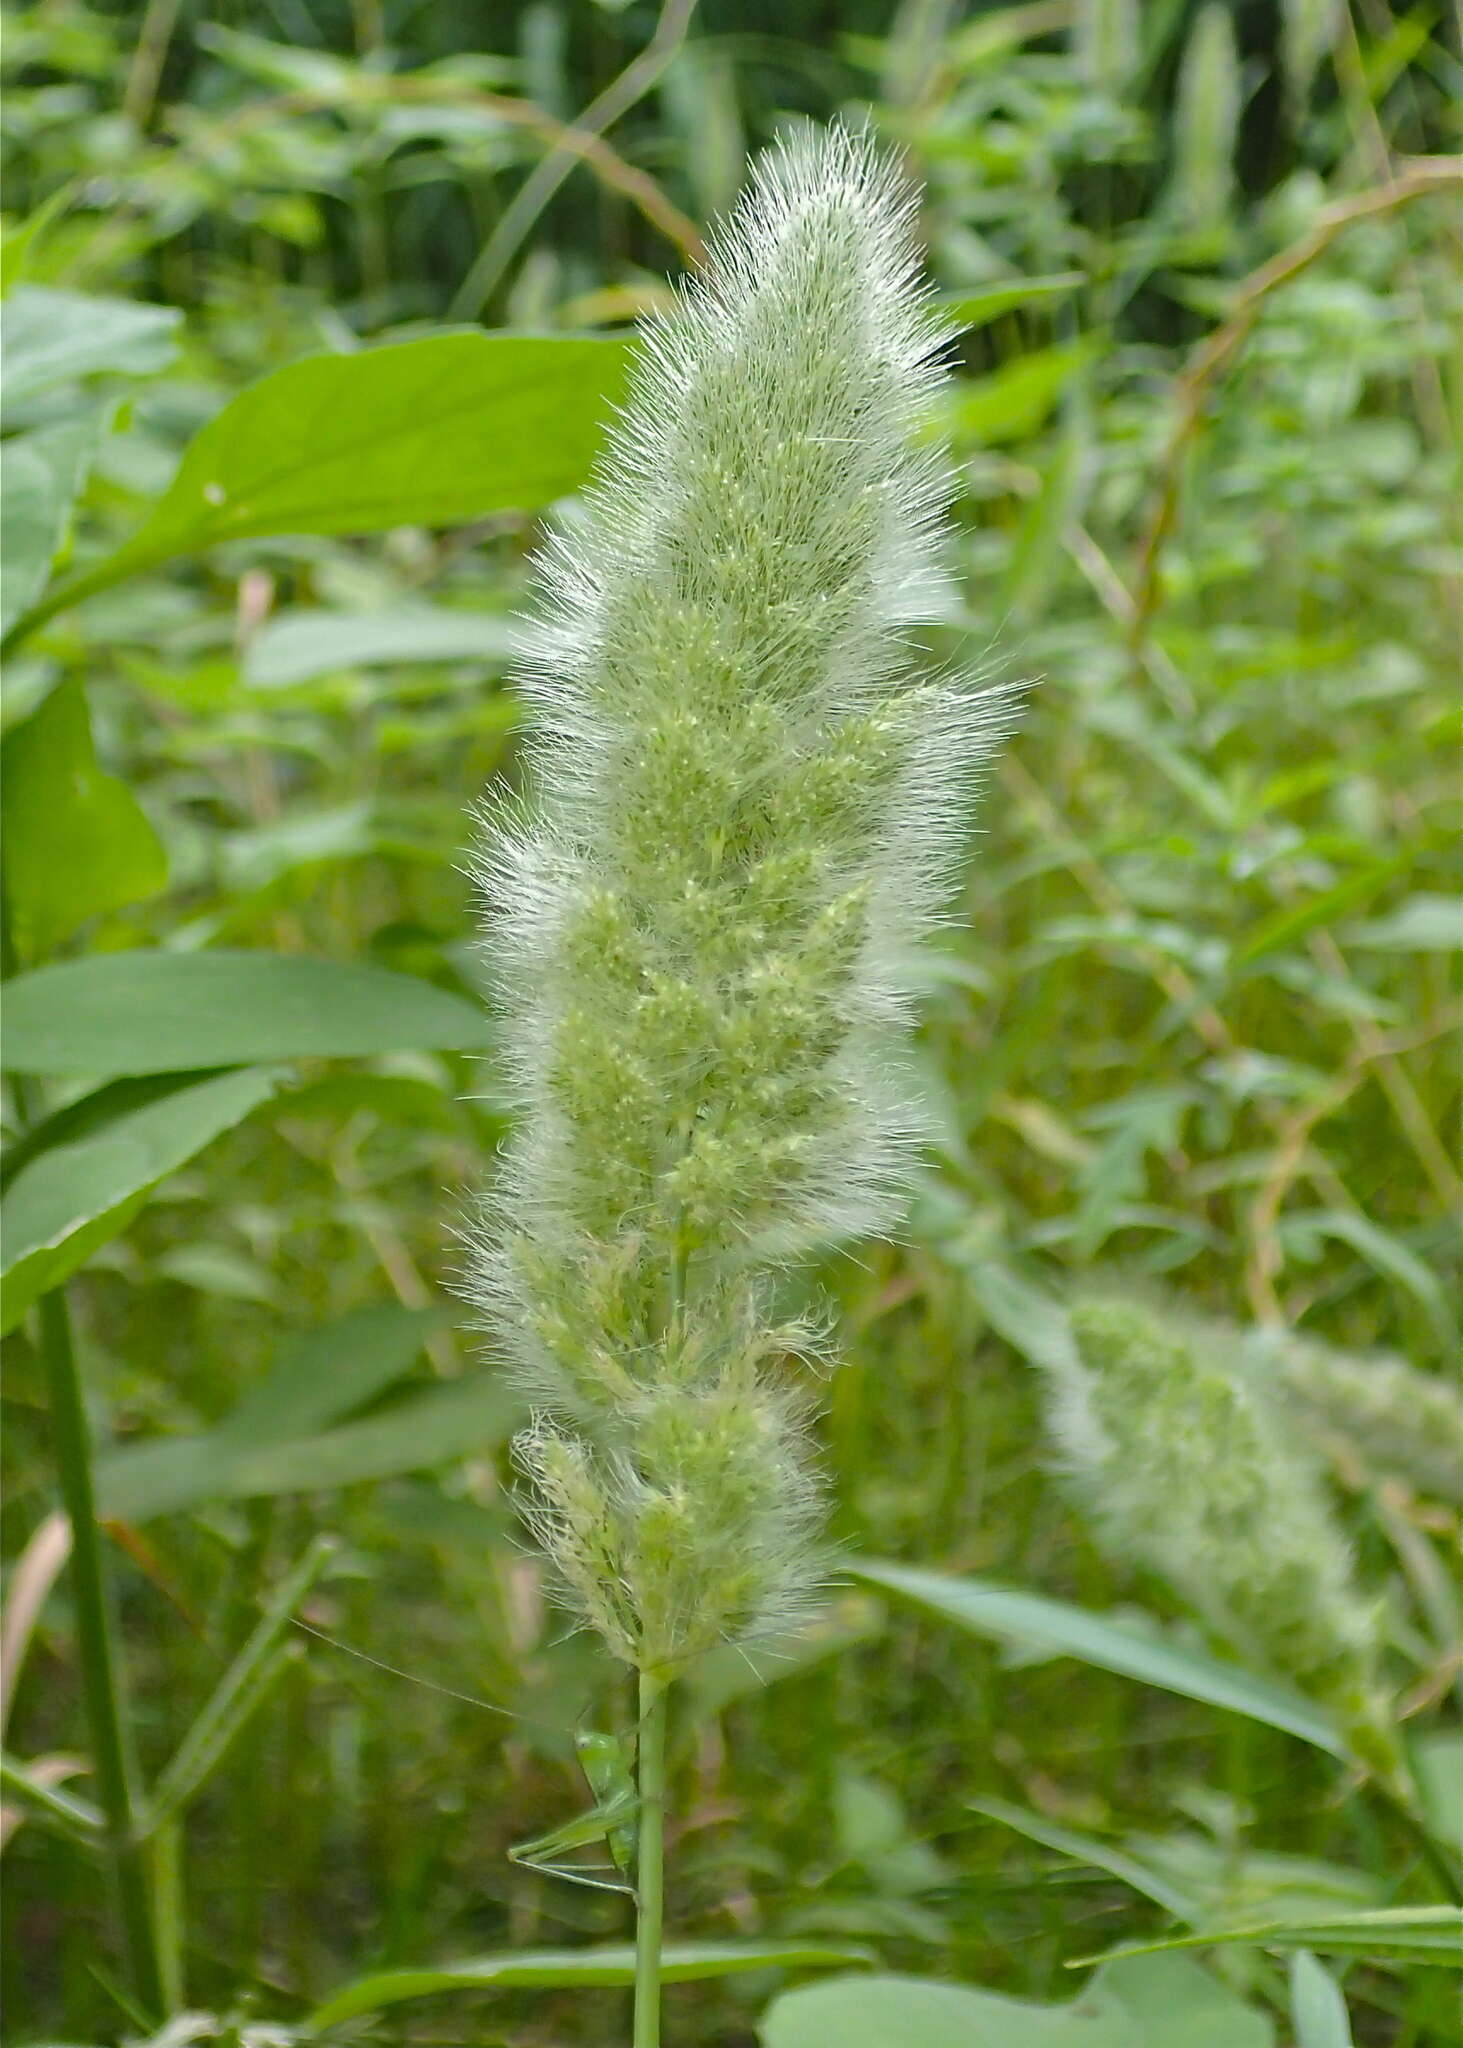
(745, 803)
(1194, 1471)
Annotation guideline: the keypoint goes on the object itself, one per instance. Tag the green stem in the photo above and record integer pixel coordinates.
(650, 1862)
(101, 1681)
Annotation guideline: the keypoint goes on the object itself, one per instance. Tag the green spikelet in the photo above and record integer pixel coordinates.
(1190, 1471)
(744, 805)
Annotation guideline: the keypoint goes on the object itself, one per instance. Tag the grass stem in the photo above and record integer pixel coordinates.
(101, 1683)
(650, 1865)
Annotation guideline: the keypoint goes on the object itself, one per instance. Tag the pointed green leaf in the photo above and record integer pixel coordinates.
(147, 1013)
(75, 1197)
(433, 432)
(76, 841)
(1056, 1625)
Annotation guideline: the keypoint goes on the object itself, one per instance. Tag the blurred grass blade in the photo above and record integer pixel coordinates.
(243, 1687)
(1083, 1848)
(327, 1373)
(67, 1814)
(149, 1013)
(1317, 2009)
(972, 309)
(1058, 1626)
(681, 1963)
(75, 1197)
(439, 1427)
(1392, 1934)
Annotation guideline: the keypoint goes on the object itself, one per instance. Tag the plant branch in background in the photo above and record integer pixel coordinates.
(638, 78)
(1422, 179)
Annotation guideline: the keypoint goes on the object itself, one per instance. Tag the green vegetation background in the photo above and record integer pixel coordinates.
(1197, 1022)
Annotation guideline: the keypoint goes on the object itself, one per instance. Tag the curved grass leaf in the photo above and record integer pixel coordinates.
(150, 1013)
(1084, 1848)
(1391, 1934)
(75, 1197)
(1058, 1626)
(682, 1962)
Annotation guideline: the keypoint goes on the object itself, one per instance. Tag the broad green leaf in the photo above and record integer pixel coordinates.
(1316, 2005)
(44, 472)
(1127, 2005)
(74, 1197)
(682, 1962)
(433, 432)
(50, 337)
(1013, 402)
(1423, 924)
(149, 1013)
(437, 1427)
(1058, 1626)
(76, 841)
(1391, 1934)
(88, 1114)
(300, 645)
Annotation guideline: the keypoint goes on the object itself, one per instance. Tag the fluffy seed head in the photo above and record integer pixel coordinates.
(744, 805)
(1192, 1471)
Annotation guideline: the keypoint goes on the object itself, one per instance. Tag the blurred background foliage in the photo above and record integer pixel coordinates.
(1198, 1021)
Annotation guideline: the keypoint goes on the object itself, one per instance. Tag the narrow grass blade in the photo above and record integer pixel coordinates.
(62, 1810)
(1056, 1625)
(681, 1963)
(1394, 1934)
(241, 1690)
(1084, 1848)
